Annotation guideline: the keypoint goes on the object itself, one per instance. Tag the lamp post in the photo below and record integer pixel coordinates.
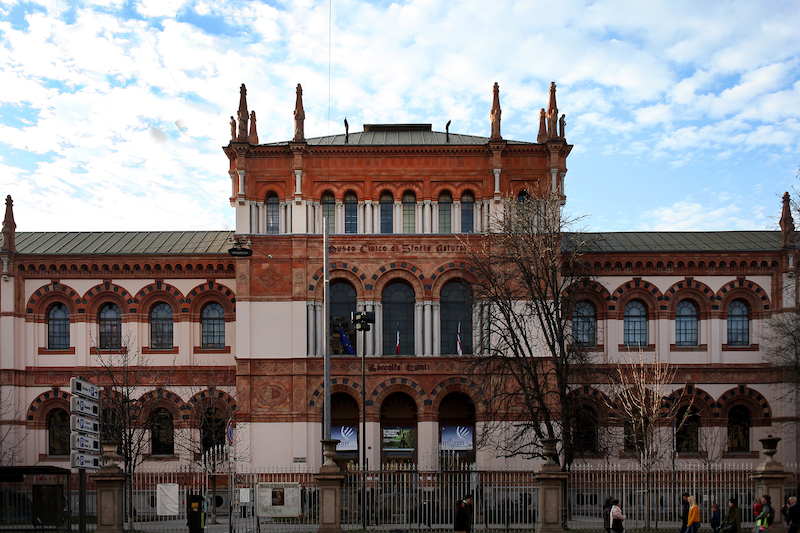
(362, 320)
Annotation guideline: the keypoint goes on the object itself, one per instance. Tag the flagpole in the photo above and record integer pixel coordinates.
(326, 314)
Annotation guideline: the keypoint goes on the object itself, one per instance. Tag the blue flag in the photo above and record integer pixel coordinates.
(345, 341)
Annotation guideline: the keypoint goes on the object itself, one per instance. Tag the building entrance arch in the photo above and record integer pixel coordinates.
(398, 429)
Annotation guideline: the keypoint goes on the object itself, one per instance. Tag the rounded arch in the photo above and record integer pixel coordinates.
(154, 293)
(208, 398)
(750, 292)
(594, 292)
(43, 405)
(211, 291)
(637, 289)
(462, 385)
(339, 272)
(46, 295)
(100, 295)
(697, 397)
(744, 395)
(443, 188)
(592, 397)
(341, 386)
(276, 189)
(161, 398)
(407, 386)
(450, 272)
(397, 271)
(690, 289)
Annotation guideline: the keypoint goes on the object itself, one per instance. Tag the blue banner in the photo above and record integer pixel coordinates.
(347, 437)
(456, 438)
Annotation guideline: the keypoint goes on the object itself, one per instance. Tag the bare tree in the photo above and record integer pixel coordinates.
(125, 376)
(12, 433)
(781, 341)
(529, 356)
(639, 387)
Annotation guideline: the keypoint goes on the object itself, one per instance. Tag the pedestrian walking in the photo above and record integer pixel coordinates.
(693, 519)
(607, 513)
(767, 514)
(685, 512)
(732, 523)
(715, 519)
(791, 513)
(617, 518)
(463, 518)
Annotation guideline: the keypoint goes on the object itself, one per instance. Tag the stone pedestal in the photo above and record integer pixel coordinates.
(551, 481)
(770, 478)
(110, 496)
(330, 480)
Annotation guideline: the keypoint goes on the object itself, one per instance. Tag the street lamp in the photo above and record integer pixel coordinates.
(241, 246)
(362, 320)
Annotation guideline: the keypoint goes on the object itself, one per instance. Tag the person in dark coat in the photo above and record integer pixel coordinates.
(463, 521)
(733, 516)
(607, 514)
(716, 520)
(685, 513)
(791, 512)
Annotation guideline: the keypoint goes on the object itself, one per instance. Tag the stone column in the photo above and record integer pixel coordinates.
(329, 479)
(378, 329)
(419, 328)
(110, 482)
(311, 329)
(338, 225)
(436, 327)
(770, 478)
(318, 329)
(551, 500)
(360, 338)
(360, 218)
(369, 335)
(427, 217)
(428, 322)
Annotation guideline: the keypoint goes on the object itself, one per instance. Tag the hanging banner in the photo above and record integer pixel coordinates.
(457, 438)
(398, 438)
(167, 499)
(347, 437)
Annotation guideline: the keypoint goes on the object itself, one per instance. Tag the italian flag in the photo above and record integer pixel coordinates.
(398, 338)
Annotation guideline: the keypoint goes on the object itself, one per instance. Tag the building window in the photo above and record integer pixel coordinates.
(212, 429)
(739, 429)
(161, 327)
(584, 430)
(584, 324)
(387, 218)
(738, 324)
(456, 316)
(212, 326)
(350, 213)
(445, 213)
(273, 213)
(398, 319)
(687, 435)
(633, 435)
(58, 327)
(635, 324)
(409, 213)
(162, 436)
(329, 211)
(58, 432)
(686, 324)
(467, 213)
(110, 327)
(343, 303)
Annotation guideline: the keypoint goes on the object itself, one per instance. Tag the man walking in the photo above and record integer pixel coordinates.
(791, 512)
(685, 512)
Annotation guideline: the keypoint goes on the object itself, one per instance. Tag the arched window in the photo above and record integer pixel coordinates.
(445, 212)
(58, 432)
(329, 211)
(584, 429)
(738, 324)
(687, 434)
(350, 213)
(739, 429)
(161, 327)
(387, 218)
(58, 327)
(273, 213)
(456, 316)
(212, 326)
(342, 332)
(110, 322)
(398, 319)
(409, 213)
(467, 213)
(635, 324)
(212, 428)
(686, 324)
(584, 324)
(162, 433)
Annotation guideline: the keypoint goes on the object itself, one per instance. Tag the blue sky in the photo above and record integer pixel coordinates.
(684, 115)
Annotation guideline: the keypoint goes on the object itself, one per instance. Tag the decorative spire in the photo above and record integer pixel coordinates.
(542, 137)
(495, 114)
(243, 114)
(253, 137)
(787, 224)
(299, 117)
(552, 113)
(9, 227)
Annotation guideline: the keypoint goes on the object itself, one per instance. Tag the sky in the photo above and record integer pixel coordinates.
(684, 115)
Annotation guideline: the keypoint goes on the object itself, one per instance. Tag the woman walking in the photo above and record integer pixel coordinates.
(732, 523)
(694, 515)
(617, 518)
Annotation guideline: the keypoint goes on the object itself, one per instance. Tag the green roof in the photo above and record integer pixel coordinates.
(681, 241)
(124, 242)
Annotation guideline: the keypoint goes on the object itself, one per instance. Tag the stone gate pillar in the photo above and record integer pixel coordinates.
(770, 478)
(330, 479)
(551, 481)
(110, 482)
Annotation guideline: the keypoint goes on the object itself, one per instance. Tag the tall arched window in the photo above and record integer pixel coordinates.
(110, 322)
(161, 327)
(162, 433)
(467, 213)
(212, 326)
(398, 319)
(739, 429)
(58, 432)
(445, 212)
(409, 213)
(387, 208)
(350, 213)
(738, 324)
(584, 324)
(329, 211)
(686, 330)
(343, 303)
(687, 434)
(456, 316)
(584, 429)
(635, 324)
(273, 213)
(212, 428)
(58, 327)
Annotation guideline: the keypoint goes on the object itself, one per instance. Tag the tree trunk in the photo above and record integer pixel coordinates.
(213, 499)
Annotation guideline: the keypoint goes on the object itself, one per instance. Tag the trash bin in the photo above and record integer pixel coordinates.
(194, 513)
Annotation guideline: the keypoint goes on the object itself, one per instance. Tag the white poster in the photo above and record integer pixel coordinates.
(167, 499)
(278, 499)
